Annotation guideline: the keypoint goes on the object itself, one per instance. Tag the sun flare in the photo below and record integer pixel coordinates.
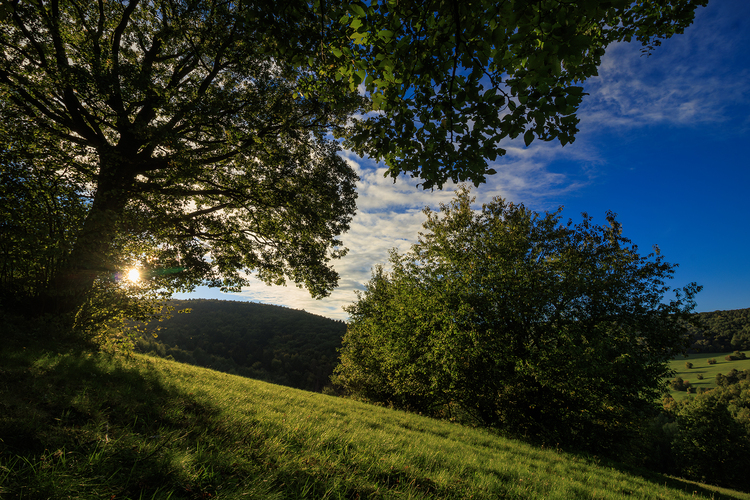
(134, 275)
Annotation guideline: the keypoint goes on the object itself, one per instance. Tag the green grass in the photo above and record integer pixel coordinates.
(701, 366)
(77, 425)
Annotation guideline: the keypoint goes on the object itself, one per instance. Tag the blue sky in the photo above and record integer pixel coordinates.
(664, 143)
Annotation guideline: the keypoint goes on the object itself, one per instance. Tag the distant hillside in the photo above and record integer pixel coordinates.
(721, 331)
(272, 343)
(298, 349)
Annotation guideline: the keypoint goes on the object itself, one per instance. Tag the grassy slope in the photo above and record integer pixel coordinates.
(701, 366)
(94, 426)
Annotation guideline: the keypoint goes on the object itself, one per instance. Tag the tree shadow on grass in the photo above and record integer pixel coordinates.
(93, 426)
(86, 422)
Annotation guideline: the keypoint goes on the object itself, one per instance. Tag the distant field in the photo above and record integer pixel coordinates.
(701, 366)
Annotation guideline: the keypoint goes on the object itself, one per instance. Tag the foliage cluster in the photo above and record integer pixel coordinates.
(38, 215)
(276, 344)
(733, 376)
(737, 355)
(705, 437)
(513, 320)
(99, 426)
(678, 384)
(720, 331)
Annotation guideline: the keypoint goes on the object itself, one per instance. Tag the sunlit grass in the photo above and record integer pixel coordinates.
(96, 426)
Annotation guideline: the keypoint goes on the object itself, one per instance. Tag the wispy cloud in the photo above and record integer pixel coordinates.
(690, 81)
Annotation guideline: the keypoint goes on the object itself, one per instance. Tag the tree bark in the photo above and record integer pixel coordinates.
(91, 256)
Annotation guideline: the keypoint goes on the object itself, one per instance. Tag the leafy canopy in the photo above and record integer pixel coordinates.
(202, 134)
(452, 79)
(513, 319)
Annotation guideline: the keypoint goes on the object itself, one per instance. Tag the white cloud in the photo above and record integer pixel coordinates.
(690, 80)
(390, 216)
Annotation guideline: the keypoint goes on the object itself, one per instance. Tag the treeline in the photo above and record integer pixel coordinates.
(272, 343)
(721, 331)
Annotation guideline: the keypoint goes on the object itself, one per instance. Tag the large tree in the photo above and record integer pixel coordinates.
(177, 124)
(516, 320)
(205, 130)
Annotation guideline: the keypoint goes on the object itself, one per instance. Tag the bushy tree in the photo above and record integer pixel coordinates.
(202, 129)
(516, 320)
(39, 211)
(704, 438)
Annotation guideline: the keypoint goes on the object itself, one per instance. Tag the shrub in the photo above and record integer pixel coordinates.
(680, 385)
(712, 361)
(731, 357)
(700, 376)
(688, 365)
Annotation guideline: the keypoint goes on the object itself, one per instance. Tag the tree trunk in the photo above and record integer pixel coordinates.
(91, 256)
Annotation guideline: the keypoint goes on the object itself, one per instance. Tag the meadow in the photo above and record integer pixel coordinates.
(86, 425)
(701, 367)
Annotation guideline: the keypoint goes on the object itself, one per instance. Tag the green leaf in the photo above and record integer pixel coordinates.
(386, 35)
(574, 91)
(528, 137)
(357, 10)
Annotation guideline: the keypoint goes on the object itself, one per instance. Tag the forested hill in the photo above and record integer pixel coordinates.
(272, 343)
(298, 349)
(722, 331)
